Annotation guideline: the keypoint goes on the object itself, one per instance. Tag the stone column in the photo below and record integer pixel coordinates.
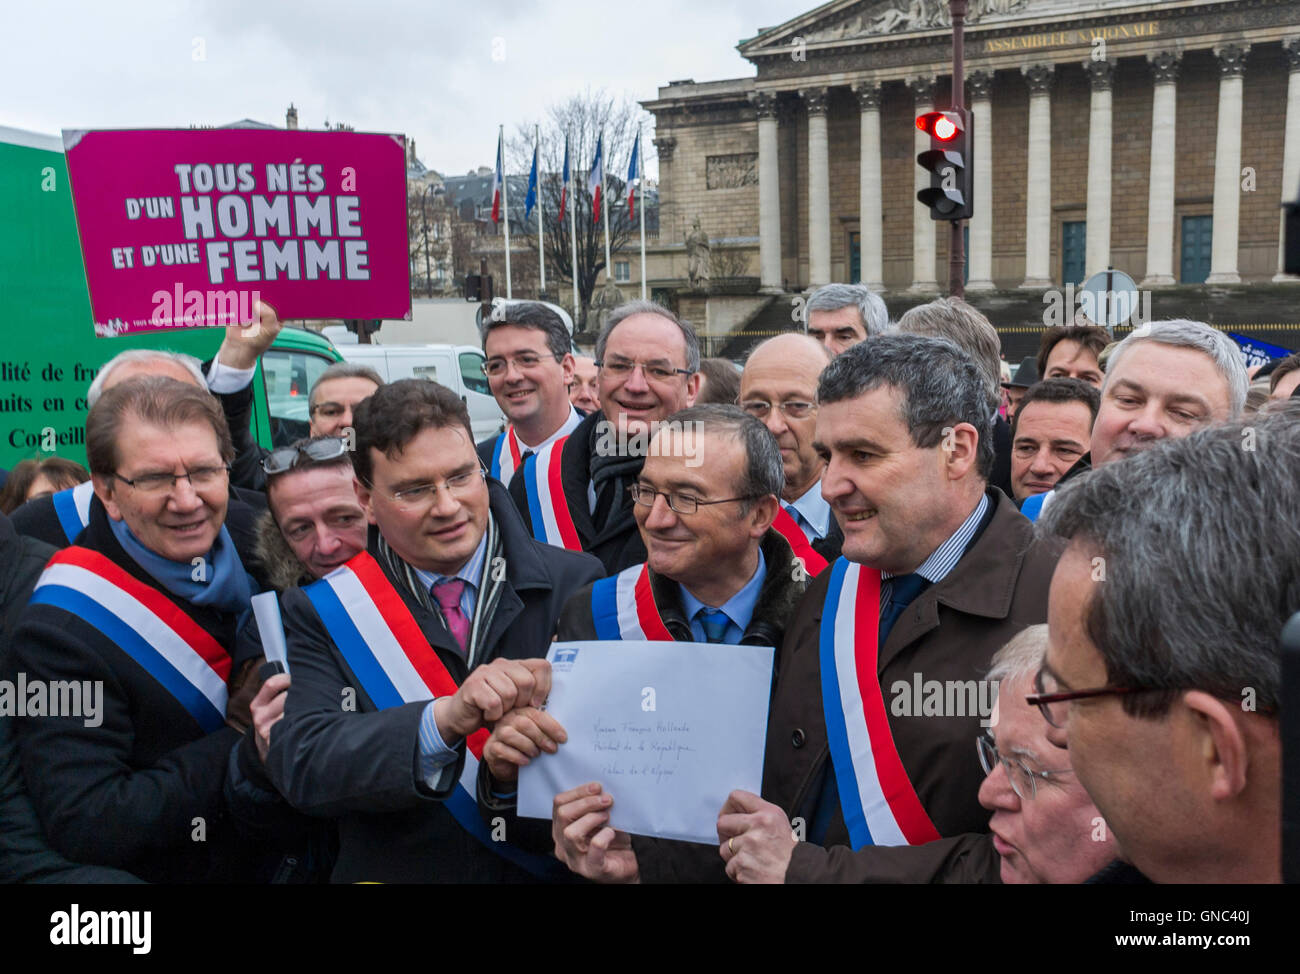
(870, 218)
(1160, 198)
(769, 193)
(819, 189)
(923, 260)
(981, 223)
(1290, 147)
(1227, 166)
(1038, 178)
(1097, 245)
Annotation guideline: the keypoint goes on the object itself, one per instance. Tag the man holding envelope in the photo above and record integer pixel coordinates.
(716, 572)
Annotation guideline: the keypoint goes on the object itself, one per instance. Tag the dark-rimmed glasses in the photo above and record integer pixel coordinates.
(678, 503)
(622, 368)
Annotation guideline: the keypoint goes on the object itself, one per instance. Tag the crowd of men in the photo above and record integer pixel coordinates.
(1110, 537)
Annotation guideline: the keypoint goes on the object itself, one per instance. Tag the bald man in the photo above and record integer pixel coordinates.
(779, 388)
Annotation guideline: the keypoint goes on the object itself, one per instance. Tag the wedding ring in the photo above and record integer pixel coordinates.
(730, 847)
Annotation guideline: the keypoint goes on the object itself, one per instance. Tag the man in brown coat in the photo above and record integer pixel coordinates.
(883, 671)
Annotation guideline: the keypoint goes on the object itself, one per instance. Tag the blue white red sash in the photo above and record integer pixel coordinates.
(623, 607)
(880, 805)
(505, 456)
(813, 563)
(548, 508)
(387, 652)
(73, 508)
(146, 625)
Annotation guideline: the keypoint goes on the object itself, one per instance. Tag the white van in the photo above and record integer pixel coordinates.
(458, 367)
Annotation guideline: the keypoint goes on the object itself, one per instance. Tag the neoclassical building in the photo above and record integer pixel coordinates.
(1155, 138)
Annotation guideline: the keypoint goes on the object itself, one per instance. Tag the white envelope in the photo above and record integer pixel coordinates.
(669, 729)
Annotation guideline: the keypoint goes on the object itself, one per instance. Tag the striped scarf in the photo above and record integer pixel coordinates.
(489, 589)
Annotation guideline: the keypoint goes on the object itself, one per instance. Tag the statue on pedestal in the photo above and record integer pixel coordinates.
(697, 257)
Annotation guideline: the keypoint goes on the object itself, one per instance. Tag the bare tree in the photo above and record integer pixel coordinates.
(582, 119)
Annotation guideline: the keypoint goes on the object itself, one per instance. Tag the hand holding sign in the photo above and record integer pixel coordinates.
(244, 343)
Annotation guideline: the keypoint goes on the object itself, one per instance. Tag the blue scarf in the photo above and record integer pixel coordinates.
(226, 586)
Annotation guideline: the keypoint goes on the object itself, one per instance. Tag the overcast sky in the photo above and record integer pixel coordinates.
(425, 69)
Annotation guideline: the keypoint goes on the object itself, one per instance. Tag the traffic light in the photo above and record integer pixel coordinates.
(949, 163)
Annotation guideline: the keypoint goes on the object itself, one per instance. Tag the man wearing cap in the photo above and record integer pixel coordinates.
(1025, 376)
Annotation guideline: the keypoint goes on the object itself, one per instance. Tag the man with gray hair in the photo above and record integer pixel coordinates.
(965, 327)
(842, 315)
(649, 361)
(716, 572)
(1163, 669)
(1166, 380)
(937, 573)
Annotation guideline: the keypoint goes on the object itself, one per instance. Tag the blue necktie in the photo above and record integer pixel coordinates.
(715, 623)
(902, 590)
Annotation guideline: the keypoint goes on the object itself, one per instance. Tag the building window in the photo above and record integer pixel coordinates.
(1198, 233)
(1074, 242)
(622, 271)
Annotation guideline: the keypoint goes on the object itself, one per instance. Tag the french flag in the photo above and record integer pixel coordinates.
(632, 175)
(497, 179)
(564, 187)
(596, 179)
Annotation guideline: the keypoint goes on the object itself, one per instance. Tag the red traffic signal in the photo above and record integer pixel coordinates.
(941, 126)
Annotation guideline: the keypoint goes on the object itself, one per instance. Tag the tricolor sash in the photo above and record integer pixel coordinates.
(880, 805)
(73, 508)
(548, 508)
(785, 523)
(623, 607)
(505, 456)
(145, 624)
(387, 652)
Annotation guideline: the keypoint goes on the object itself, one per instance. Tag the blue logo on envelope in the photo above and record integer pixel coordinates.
(564, 659)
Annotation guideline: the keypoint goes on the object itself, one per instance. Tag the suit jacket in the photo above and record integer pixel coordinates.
(666, 860)
(950, 632)
(615, 540)
(359, 765)
(128, 793)
(38, 519)
(246, 470)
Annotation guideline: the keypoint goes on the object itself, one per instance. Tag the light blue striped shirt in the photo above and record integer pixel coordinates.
(945, 557)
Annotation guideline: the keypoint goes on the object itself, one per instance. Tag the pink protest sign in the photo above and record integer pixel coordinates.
(188, 227)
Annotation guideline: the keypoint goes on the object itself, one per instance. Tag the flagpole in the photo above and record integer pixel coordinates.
(604, 208)
(505, 200)
(541, 244)
(573, 228)
(640, 185)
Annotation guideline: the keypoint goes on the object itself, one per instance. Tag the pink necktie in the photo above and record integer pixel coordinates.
(447, 595)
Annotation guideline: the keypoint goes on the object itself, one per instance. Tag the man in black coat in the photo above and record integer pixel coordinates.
(25, 853)
(649, 369)
(128, 636)
(399, 658)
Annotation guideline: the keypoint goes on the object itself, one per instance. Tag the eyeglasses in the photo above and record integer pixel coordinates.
(1054, 710)
(200, 478)
(1053, 705)
(285, 458)
(678, 503)
(759, 408)
(423, 495)
(1024, 779)
(498, 366)
(622, 368)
